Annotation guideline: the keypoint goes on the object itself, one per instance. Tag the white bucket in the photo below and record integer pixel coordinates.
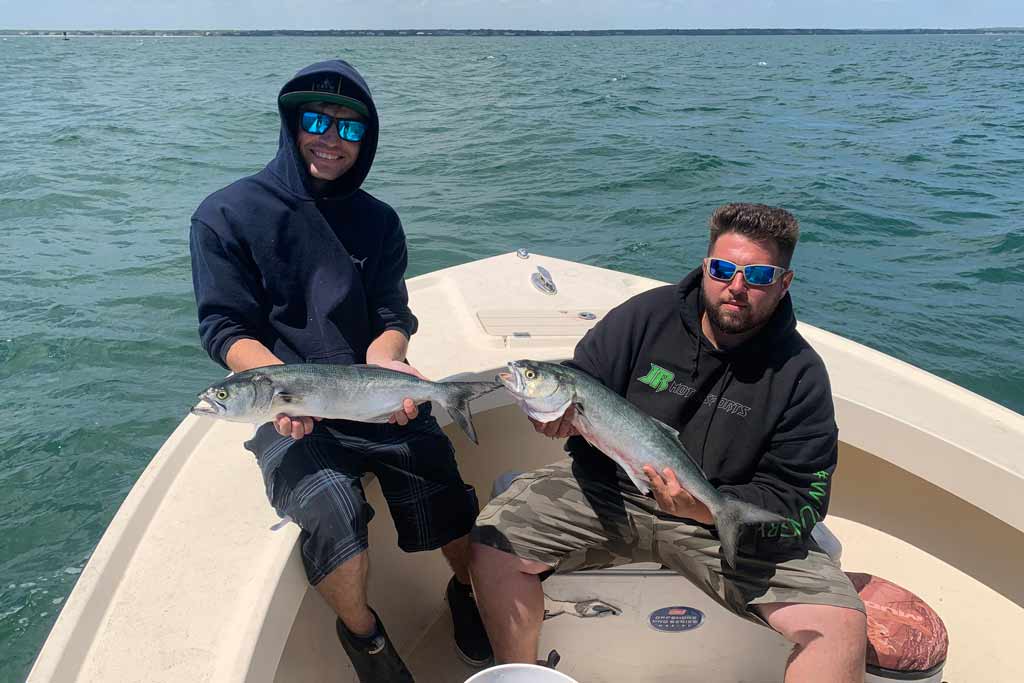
(520, 673)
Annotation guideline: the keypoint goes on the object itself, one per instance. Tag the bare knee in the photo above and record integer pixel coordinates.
(803, 625)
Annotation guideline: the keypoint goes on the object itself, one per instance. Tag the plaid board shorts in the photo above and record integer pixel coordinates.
(316, 481)
(565, 517)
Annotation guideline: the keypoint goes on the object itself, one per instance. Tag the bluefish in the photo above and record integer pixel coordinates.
(364, 393)
(628, 436)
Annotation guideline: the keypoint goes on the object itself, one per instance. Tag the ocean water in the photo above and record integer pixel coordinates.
(902, 156)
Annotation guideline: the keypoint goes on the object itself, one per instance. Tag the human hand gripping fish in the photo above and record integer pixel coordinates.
(647, 450)
(673, 498)
(363, 393)
(560, 427)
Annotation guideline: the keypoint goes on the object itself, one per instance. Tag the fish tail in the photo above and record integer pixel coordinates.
(732, 517)
(459, 394)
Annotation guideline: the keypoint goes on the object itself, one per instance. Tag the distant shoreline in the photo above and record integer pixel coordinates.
(510, 33)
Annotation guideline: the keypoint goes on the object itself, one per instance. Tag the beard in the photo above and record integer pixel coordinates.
(734, 322)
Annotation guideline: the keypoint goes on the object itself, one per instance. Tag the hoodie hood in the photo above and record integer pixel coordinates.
(335, 76)
(313, 276)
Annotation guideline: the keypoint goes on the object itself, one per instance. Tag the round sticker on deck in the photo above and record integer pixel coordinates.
(676, 619)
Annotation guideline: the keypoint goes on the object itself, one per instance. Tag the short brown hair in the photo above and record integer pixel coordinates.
(760, 223)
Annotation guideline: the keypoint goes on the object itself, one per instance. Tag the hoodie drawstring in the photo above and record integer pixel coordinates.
(695, 368)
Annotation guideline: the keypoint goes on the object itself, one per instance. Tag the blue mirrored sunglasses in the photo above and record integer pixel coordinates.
(758, 275)
(317, 124)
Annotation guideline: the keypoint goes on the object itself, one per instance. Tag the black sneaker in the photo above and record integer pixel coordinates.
(471, 643)
(374, 658)
(552, 661)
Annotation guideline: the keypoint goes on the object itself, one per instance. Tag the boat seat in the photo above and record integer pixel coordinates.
(821, 534)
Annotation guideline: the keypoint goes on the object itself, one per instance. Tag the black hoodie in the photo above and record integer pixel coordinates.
(314, 276)
(758, 419)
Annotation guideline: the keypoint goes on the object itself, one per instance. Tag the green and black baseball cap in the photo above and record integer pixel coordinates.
(324, 87)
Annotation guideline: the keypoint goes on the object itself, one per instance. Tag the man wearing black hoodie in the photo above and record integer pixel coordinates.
(297, 264)
(717, 358)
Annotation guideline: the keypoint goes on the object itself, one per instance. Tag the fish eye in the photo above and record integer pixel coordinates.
(530, 374)
(222, 394)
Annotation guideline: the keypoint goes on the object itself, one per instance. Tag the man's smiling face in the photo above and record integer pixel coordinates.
(328, 157)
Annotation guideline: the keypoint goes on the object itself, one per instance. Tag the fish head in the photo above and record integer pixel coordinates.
(243, 397)
(543, 387)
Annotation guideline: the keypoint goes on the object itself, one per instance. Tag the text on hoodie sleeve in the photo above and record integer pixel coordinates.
(794, 476)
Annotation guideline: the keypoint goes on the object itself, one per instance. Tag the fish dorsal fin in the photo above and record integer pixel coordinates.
(669, 431)
(674, 436)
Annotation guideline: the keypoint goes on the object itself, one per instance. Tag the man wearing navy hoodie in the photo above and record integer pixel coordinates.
(297, 264)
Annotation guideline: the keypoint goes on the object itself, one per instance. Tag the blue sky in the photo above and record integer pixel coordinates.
(520, 14)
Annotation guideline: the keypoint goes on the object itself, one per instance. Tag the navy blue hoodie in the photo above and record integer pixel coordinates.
(758, 418)
(314, 276)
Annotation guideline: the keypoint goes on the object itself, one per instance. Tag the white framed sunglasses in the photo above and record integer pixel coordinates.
(757, 274)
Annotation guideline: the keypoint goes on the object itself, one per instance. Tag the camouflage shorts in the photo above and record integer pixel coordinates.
(561, 517)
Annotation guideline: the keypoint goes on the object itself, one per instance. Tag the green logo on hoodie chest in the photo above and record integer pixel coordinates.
(657, 378)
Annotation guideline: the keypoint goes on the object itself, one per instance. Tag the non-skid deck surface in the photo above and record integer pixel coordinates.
(610, 649)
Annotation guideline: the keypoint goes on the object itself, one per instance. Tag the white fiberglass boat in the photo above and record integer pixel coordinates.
(190, 582)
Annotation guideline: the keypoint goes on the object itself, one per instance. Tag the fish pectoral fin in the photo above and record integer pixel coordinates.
(285, 401)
